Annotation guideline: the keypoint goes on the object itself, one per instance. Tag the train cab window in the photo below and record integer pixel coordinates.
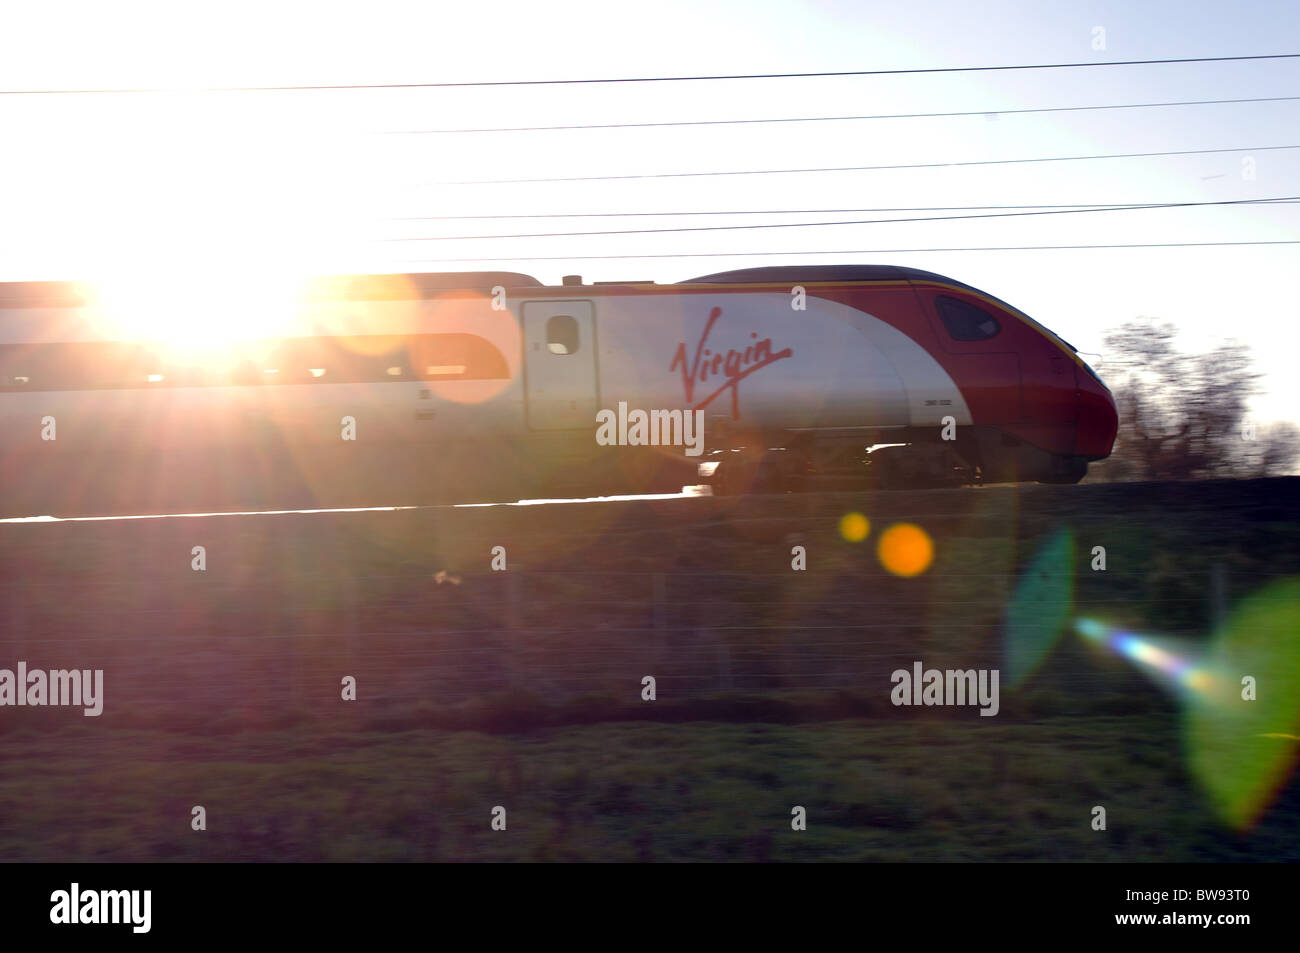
(965, 321)
(562, 334)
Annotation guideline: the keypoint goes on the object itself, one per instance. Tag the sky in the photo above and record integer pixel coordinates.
(223, 189)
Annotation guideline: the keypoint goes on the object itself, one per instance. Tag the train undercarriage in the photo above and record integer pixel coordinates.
(105, 480)
(895, 460)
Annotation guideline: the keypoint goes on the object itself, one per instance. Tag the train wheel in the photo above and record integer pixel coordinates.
(917, 467)
(1067, 470)
(744, 473)
(886, 470)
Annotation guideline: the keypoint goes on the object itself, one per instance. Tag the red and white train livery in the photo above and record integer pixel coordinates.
(394, 389)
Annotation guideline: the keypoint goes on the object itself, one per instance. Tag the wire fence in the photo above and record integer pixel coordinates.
(701, 595)
(288, 640)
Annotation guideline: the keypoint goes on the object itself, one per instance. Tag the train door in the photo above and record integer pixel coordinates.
(559, 365)
(984, 348)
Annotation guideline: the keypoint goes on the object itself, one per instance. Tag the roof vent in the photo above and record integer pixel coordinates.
(570, 280)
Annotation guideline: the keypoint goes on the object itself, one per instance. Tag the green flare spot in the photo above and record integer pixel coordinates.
(1040, 609)
(1242, 751)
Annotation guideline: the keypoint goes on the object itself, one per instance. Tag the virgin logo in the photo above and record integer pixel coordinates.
(722, 371)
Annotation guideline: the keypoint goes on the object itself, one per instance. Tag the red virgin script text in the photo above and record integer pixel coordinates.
(723, 371)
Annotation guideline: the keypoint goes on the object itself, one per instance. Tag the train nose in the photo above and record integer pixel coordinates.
(1098, 417)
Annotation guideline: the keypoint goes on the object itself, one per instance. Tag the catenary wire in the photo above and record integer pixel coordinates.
(650, 79)
(877, 221)
(854, 251)
(787, 211)
(738, 122)
(865, 168)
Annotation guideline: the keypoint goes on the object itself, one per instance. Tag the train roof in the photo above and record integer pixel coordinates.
(801, 274)
(780, 274)
(72, 294)
(75, 294)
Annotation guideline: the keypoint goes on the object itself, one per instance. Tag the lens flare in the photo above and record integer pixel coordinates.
(1241, 697)
(1241, 735)
(1167, 661)
(854, 527)
(905, 549)
(1040, 609)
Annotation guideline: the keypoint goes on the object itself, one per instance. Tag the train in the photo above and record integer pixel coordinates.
(376, 390)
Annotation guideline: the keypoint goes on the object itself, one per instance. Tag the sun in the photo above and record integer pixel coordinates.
(185, 303)
(211, 224)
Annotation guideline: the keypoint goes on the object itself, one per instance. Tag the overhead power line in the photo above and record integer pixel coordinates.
(788, 211)
(862, 168)
(877, 221)
(847, 251)
(738, 122)
(645, 79)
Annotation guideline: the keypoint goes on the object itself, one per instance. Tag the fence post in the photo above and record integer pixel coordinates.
(723, 649)
(659, 605)
(1218, 595)
(352, 618)
(514, 601)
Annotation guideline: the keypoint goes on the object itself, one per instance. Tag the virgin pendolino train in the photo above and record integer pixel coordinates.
(419, 388)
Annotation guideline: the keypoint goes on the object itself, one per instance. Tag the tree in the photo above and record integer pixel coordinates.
(1185, 416)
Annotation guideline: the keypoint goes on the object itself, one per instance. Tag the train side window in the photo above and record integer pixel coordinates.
(562, 334)
(966, 322)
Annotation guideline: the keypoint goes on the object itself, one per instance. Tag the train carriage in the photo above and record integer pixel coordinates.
(407, 389)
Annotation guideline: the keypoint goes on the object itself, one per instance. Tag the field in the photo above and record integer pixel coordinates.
(523, 688)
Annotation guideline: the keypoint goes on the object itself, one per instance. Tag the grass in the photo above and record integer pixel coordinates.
(222, 689)
(965, 789)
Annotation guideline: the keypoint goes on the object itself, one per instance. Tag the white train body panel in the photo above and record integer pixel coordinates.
(829, 366)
